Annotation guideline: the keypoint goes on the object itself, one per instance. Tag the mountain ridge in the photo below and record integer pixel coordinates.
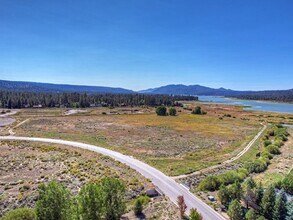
(24, 86)
(180, 89)
(171, 89)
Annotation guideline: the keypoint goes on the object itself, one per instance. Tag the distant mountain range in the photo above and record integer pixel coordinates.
(278, 95)
(57, 88)
(190, 90)
(275, 95)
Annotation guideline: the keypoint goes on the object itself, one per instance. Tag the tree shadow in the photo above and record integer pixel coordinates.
(141, 216)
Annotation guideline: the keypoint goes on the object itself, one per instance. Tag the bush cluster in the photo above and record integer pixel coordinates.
(162, 111)
(273, 140)
(212, 183)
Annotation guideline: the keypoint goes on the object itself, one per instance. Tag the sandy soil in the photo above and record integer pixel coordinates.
(23, 166)
(74, 111)
(6, 121)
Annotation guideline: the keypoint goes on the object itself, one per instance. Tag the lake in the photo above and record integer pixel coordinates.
(252, 104)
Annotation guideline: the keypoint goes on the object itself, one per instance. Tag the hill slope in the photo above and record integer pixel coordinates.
(190, 90)
(273, 95)
(57, 88)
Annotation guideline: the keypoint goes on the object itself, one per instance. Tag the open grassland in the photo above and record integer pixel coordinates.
(176, 145)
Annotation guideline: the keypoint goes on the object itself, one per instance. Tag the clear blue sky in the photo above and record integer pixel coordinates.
(139, 44)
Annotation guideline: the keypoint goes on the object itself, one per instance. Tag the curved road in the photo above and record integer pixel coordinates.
(166, 184)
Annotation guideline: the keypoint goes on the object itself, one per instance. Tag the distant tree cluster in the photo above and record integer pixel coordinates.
(77, 100)
(281, 95)
(162, 111)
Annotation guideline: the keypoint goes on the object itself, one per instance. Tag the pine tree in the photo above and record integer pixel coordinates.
(290, 210)
(248, 194)
(236, 190)
(268, 202)
(259, 191)
(235, 211)
(250, 215)
(224, 195)
(194, 215)
(280, 209)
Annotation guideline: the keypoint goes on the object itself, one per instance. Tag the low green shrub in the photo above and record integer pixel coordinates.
(281, 137)
(267, 143)
(271, 132)
(266, 154)
(228, 177)
(161, 111)
(273, 149)
(242, 173)
(210, 183)
(278, 142)
(256, 166)
(144, 199)
(20, 214)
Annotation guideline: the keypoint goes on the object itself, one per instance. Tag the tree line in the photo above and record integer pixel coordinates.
(77, 100)
(281, 95)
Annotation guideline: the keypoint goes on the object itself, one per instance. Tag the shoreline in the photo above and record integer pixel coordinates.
(249, 105)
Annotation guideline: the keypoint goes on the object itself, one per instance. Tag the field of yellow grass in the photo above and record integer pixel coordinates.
(176, 145)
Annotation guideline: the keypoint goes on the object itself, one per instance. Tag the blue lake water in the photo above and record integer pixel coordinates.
(253, 104)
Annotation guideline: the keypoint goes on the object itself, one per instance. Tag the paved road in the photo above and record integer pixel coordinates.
(166, 184)
(240, 154)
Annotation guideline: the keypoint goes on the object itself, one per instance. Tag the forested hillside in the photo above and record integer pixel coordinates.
(76, 100)
(277, 95)
(187, 90)
(190, 90)
(57, 88)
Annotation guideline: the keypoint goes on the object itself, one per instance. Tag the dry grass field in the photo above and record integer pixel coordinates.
(24, 166)
(176, 145)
